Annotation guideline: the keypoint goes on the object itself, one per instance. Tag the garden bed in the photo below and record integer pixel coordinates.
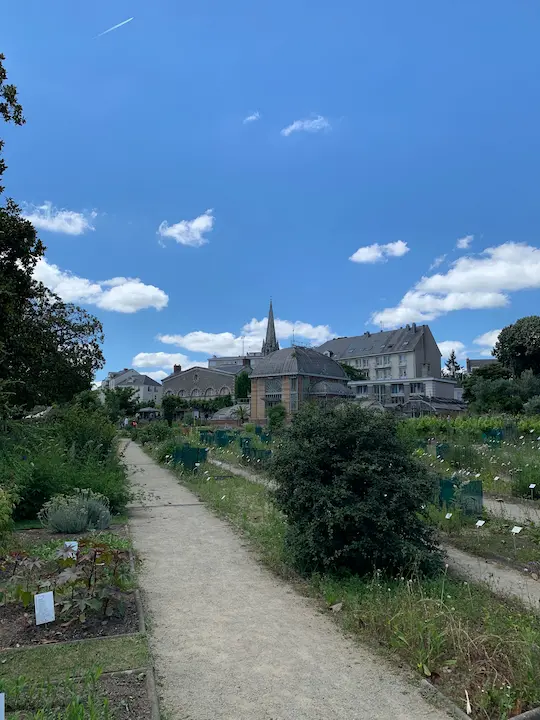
(18, 626)
(126, 693)
(93, 590)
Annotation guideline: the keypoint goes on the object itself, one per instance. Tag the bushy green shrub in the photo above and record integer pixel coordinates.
(249, 427)
(84, 510)
(74, 448)
(156, 431)
(353, 494)
(276, 418)
(532, 406)
(6, 510)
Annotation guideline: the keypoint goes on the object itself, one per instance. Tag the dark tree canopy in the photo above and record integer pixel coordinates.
(352, 493)
(518, 346)
(49, 350)
(242, 385)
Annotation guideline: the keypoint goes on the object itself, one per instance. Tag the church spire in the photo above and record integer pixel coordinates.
(270, 345)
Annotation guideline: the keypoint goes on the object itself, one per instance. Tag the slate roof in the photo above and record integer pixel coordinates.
(331, 388)
(212, 369)
(232, 369)
(139, 380)
(299, 361)
(380, 343)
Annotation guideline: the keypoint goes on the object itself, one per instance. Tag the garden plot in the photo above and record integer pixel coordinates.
(92, 590)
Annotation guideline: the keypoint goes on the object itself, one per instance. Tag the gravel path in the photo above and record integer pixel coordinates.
(512, 511)
(232, 642)
(501, 579)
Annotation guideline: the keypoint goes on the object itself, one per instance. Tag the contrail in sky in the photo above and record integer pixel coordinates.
(114, 27)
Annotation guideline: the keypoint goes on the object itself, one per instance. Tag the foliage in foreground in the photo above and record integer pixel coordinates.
(352, 493)
(72, 448)
(459, 634)
(82, 511)
(49, 350)
(93, 580)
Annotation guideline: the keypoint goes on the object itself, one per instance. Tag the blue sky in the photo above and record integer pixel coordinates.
(382, 132)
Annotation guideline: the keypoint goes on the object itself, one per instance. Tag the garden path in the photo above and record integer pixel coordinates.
(501, 579)
(233, 642)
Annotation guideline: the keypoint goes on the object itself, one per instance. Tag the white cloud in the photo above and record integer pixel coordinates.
(464, 242)
(189, 232)
(446, 347)
(314, 124)
(252, 118)
(250, 339)
(47, 217)
(473, 282)
(437, 262)
(486, 342)
(159, 360)
(125, 295)
(379, 253)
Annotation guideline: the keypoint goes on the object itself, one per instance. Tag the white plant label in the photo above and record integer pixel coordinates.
(44, 607)
(532, 486)
(516, 529)
(2, 706)
(448, 516)
(72, 546)
(479, 523)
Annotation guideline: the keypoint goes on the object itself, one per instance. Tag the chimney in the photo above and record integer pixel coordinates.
(246, 362)
(414, 327)
(126, 369)
(177, 369)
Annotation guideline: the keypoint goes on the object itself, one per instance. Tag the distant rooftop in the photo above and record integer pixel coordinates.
(379, 343)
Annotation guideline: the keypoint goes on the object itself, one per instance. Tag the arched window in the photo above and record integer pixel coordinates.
(181, 393)
(225, 391)
(196, 392)
(168, 392)
(209, 392)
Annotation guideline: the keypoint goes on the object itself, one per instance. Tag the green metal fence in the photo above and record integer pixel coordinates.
(189, 456)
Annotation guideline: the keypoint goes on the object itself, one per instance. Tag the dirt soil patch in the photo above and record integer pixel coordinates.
(18, 628)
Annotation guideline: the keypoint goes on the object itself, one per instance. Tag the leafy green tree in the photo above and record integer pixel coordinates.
(452, 366)
(49, 350)
(518, 346)
(242, 385)
(353, 373)
(276, 418)
(120, 402)
(169, 405)
(353, 494)
(532, 406)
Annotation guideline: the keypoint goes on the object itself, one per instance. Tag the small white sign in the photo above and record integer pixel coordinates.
(516, 529)
(479, 523)
(44, 607)
(72, 546)
(2, 706)
(532, 486)
(448, 516)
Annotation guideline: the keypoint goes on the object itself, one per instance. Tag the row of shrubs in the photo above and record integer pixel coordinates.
(431, 426)
(72, 449)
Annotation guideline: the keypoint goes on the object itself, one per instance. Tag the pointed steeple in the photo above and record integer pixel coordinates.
(270, 345)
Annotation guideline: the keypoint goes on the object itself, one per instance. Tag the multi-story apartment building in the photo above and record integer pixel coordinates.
(147, 389)
(397, 364)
